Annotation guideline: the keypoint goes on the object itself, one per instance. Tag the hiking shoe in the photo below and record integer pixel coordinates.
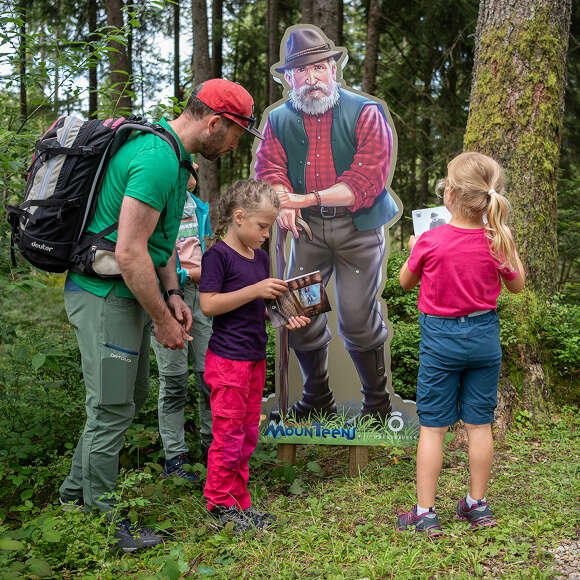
(130, 539)
(427, 522)
(175, 467)
(221, 515)
(72, 505)
(478, 515)
(260, 519)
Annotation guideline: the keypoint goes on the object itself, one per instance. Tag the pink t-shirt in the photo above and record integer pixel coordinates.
(458, 273)
(187, 243)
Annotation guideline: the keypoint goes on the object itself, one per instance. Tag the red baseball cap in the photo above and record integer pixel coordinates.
(232, 101)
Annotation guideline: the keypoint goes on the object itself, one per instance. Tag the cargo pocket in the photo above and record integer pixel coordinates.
(118, 372)
(233, 448)
(230, 402)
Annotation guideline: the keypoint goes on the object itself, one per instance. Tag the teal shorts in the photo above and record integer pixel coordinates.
(459, 366)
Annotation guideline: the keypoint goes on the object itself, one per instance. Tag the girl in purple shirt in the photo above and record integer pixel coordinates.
(460, 266)
(234, 283)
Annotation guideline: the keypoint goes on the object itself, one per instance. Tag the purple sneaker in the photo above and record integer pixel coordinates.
(479, 515)
(426, 522)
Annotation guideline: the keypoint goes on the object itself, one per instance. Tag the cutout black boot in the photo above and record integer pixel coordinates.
(370, 366)
(317, 398)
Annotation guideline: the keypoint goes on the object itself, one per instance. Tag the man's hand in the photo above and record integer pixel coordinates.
(270, 288)
(180, 311)
(294, 200)
(295, 322)
(411, 243)
(287, 220)
(171, 333)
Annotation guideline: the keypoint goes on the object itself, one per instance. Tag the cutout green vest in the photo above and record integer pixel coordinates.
(288, 127)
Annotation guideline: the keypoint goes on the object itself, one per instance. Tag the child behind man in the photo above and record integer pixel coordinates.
(173, 364)
(460, 266)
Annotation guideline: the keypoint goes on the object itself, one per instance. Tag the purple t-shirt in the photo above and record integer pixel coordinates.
(458, 273)
(241, 333)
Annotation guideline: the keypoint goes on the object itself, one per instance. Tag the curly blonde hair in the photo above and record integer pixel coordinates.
(247, 194)
(477, 182)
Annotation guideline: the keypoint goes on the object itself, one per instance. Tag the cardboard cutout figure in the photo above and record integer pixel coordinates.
(329, 152)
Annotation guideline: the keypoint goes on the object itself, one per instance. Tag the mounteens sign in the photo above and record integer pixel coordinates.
(276, 430)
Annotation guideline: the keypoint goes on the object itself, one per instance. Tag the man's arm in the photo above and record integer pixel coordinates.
(365, 179)
(340, 194)
(137, 222)
(272, 167)
(168, 278)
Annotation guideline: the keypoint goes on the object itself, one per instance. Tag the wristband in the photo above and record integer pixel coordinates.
(317, 196)
(169, 293)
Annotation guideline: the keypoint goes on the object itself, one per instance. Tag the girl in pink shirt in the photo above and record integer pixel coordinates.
(460, 266)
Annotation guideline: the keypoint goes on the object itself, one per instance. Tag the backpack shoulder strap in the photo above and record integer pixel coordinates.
(168, 137)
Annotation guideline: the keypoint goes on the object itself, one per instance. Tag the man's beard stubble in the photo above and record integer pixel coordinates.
(212, 146)
(303, 101)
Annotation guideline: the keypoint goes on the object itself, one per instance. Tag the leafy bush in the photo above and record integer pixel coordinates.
(403, 315)
(552, 329)
(405, 358)
(561, 335)
(402, 304)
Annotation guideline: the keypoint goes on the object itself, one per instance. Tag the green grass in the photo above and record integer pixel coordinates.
(333, 526)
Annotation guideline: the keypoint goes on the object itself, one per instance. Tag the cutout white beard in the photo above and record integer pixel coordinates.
(302, 100)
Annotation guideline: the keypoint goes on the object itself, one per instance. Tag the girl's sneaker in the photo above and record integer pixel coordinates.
(221, 515)
(260, 519)
(427, 522)
(478, 515)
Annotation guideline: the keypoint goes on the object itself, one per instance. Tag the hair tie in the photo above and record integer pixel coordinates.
(492, 190)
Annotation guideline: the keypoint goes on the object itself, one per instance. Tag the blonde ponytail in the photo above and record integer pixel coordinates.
(477, 182)
(501, 241)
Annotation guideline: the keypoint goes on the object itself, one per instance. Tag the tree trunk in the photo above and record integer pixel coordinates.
(307, 12)
(56, 32)
(217, 38)
(119, 63)
(92, 65)
(515, 116)
(369, 81)
(177, 92)
(273, 50)
(216, 65)
(208, 170)
(22, 58)
(340, 24)
(327, 15)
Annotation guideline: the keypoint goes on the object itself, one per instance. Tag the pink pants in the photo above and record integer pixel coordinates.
(236, 400)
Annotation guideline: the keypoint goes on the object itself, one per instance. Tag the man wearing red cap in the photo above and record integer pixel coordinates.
(112, 318)
(327, 152)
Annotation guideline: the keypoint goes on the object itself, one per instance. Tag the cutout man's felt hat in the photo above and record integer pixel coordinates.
(306, 46)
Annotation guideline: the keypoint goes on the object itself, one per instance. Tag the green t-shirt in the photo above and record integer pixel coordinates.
(145, 168)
